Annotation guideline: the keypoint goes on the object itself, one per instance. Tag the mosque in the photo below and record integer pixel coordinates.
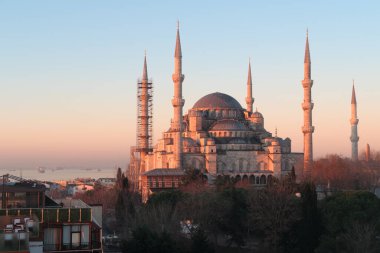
(218, 136)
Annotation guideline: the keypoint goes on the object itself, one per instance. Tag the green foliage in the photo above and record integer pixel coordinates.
(200, 242)
(272, 218)
(232, 215)
(343, 209)
(345, 216)
(273, 214)
(146, 241)
(120, 211)
(171, 197)
(306, 232)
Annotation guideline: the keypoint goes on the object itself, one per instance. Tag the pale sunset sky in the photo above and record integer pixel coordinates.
(68, 71)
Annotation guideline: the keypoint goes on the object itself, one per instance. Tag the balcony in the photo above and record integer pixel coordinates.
(53, 215)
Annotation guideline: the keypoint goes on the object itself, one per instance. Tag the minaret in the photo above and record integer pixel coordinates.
(249, 99)
(144, 142)
(144, 116)
(177, 102)
(354, 126)
(368, 153)
(307, 107)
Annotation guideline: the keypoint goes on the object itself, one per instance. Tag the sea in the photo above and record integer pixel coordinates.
(50, 174)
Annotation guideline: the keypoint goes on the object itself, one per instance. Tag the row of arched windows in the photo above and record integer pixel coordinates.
(252, 179)
(230, 134)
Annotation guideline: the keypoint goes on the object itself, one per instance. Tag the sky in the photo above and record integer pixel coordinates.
(68, 71)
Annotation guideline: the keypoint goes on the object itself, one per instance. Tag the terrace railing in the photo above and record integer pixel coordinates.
(53, 215)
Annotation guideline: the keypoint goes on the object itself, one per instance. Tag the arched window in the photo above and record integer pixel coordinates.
(263, 180)
(150, 182)
(252, 179)
(157, 185)
(257, 180)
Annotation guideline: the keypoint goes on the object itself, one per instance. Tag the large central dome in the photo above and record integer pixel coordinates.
(217, 101)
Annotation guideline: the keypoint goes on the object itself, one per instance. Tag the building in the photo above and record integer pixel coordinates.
(107, 181)
(219, 137)
(32, 222)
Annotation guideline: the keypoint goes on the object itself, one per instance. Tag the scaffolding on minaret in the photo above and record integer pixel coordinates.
(144, 129)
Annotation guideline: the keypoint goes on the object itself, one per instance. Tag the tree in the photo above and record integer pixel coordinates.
(232, 212)
(347, 214)
(308, 229)
(120, 179)
(120, 212)
(200, 243)
(145, 240)
(273, 213)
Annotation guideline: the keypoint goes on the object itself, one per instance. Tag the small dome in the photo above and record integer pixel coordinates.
(217, 101)
(256, 114)
(228, 125)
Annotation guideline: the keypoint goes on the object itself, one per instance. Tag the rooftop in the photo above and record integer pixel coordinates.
(165, 172)
(217, 100)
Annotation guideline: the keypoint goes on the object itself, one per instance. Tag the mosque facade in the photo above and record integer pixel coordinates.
(219, 137)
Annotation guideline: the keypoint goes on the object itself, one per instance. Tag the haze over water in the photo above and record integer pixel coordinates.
(59, 174)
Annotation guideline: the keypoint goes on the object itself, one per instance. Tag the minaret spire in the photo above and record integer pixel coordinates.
(307, 107)
(249, 99)
(177, 103)
(307, 61)
(354, 125)
(145, 69)
(178, 51)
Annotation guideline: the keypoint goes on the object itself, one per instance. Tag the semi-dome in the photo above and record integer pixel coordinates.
(228, 125)
(217, 101)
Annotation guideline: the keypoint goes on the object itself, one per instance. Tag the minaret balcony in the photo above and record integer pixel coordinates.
(354, 121)
(178, 77)
(249, 100)
(176, 102)
(307, 106)
(307, 83)
(354, 138)
(308, 129)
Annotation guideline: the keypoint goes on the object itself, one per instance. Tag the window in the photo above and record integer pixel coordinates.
(16, 199)
(52, 238)
(76, 236)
